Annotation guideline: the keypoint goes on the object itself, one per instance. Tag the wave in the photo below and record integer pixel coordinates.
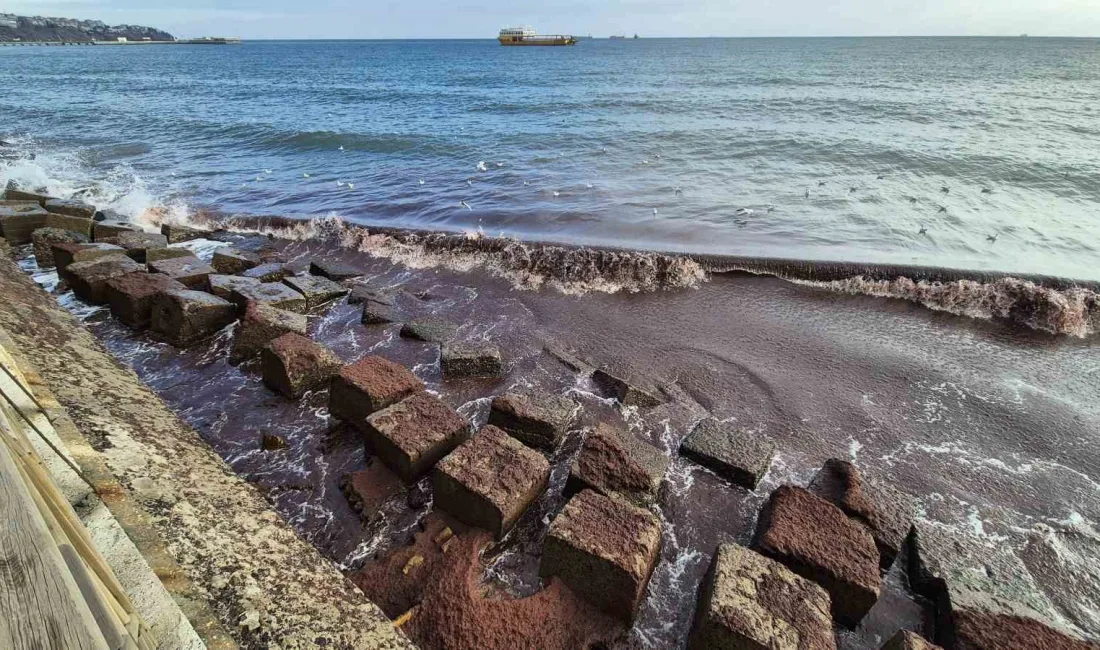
(571, 270)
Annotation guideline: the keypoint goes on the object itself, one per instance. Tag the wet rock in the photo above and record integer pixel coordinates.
(260, 325)
(333, 270)
(753, 602)
(80, 225)
(961, 572)
(44, 240)
(231, 261)
(604, 550)
(223, 286)
(816, 540)
(293, 364)
(158, 254)
(274, 294)
(89, 279)
(69, 208)
(176, 234)
(271, 441)
(17, 224)
(108, 231)
(369, 489)
(317, 290)
(190, 271)
(980, 630)
(369, 385)
(490, 481)
(360, 295)
(66, 254)
(137, 244)
(432, 330)
(615, 462)
(269, 272)
(419, 497)
(378, 314)
(412, 435)
(131, 296)
(13, 194)
(906, 640)
(471, 360)
(186, 317)
(887, 512)
(736, 454)
(536, 421)
(568, 358)
(626, 392)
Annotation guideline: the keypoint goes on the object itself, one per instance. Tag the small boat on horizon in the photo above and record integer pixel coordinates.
(528, 36)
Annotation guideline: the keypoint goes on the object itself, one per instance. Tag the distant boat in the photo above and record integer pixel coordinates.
(635, 37)
(528, 36)
(618, 38)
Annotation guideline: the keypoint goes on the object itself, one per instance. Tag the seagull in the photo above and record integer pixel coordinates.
(658, 156)
(945, 189)
(913, 200)
(603, 150)
(589, 185)
(557, 193)
(807, 194)
(466, 205)
(679, 191)
(351, 186)
(339, 183)
(853, 190)
(341, 147)
(880, 177)
(771, 209)
(500, 164)
(526, 183)
(992, 239)
(469, 182)
(305, 175)
(821, 183)
(645, 162)
(748, 212)
(922, 231)
(655, 212)
(481, 166)
(942, 210)
(259, 178)
(421, 181)
(986, 190)
(267, 171)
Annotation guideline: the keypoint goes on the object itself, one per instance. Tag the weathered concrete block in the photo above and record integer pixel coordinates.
(44, 240)
(190, 271)
(131, 296)
(18, 224)
(186, 317)
(12, 194)
(261, 324)
(138, 243)
(223, 286)
(906, 640)
(816, 540)
(369, 385)
(975, 629)
(536, 421)
(109, 230)
(615, 462)
(69, 208)
(887, 512)
(230, 261)
(269, 272)
(490, 481)
(361, 294)
(65, 254)
(432, 330)
(176, 234)
(604, 550)
(375, 313)
(751, 602)
(158, 254)
(79, 225)
(627, 392)
(736, 454)
(334, 270)
(89, 279)
(293, 364)
(412, 435)
(275, 294)
(317, 289)
(471, 360)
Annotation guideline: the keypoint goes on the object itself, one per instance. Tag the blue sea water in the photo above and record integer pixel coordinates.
(769, 147)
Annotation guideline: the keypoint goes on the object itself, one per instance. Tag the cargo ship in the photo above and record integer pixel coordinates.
(528, 36)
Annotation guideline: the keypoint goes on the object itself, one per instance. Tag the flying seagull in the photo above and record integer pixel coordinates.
(421, 181)
(923, 231)
(986, 190)
(679, 191)
(942, 210)
(992, 239)
(466, 205)
(945, 189)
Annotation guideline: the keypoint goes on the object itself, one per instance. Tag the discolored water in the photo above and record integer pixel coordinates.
(590, 144)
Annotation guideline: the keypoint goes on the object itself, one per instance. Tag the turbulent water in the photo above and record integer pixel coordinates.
(654, 144)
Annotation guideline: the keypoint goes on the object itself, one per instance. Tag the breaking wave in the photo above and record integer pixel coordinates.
(571, 270)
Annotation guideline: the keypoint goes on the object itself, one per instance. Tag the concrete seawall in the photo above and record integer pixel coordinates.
(236, 569)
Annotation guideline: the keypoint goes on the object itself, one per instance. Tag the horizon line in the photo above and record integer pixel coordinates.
(655, 38)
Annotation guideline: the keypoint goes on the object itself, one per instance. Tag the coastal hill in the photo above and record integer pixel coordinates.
(38, 28)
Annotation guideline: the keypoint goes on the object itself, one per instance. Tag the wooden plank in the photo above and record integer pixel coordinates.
(43, 608)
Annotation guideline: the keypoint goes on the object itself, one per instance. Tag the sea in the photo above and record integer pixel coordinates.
(634, 183)
(975, 153)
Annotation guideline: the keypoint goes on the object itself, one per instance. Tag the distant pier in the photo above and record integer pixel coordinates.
(182, 41)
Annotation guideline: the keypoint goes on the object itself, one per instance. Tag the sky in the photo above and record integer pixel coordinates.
(261, 19)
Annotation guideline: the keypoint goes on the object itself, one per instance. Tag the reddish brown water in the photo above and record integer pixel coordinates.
(992, 427)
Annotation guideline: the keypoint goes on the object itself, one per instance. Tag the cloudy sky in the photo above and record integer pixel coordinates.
(652, 18)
